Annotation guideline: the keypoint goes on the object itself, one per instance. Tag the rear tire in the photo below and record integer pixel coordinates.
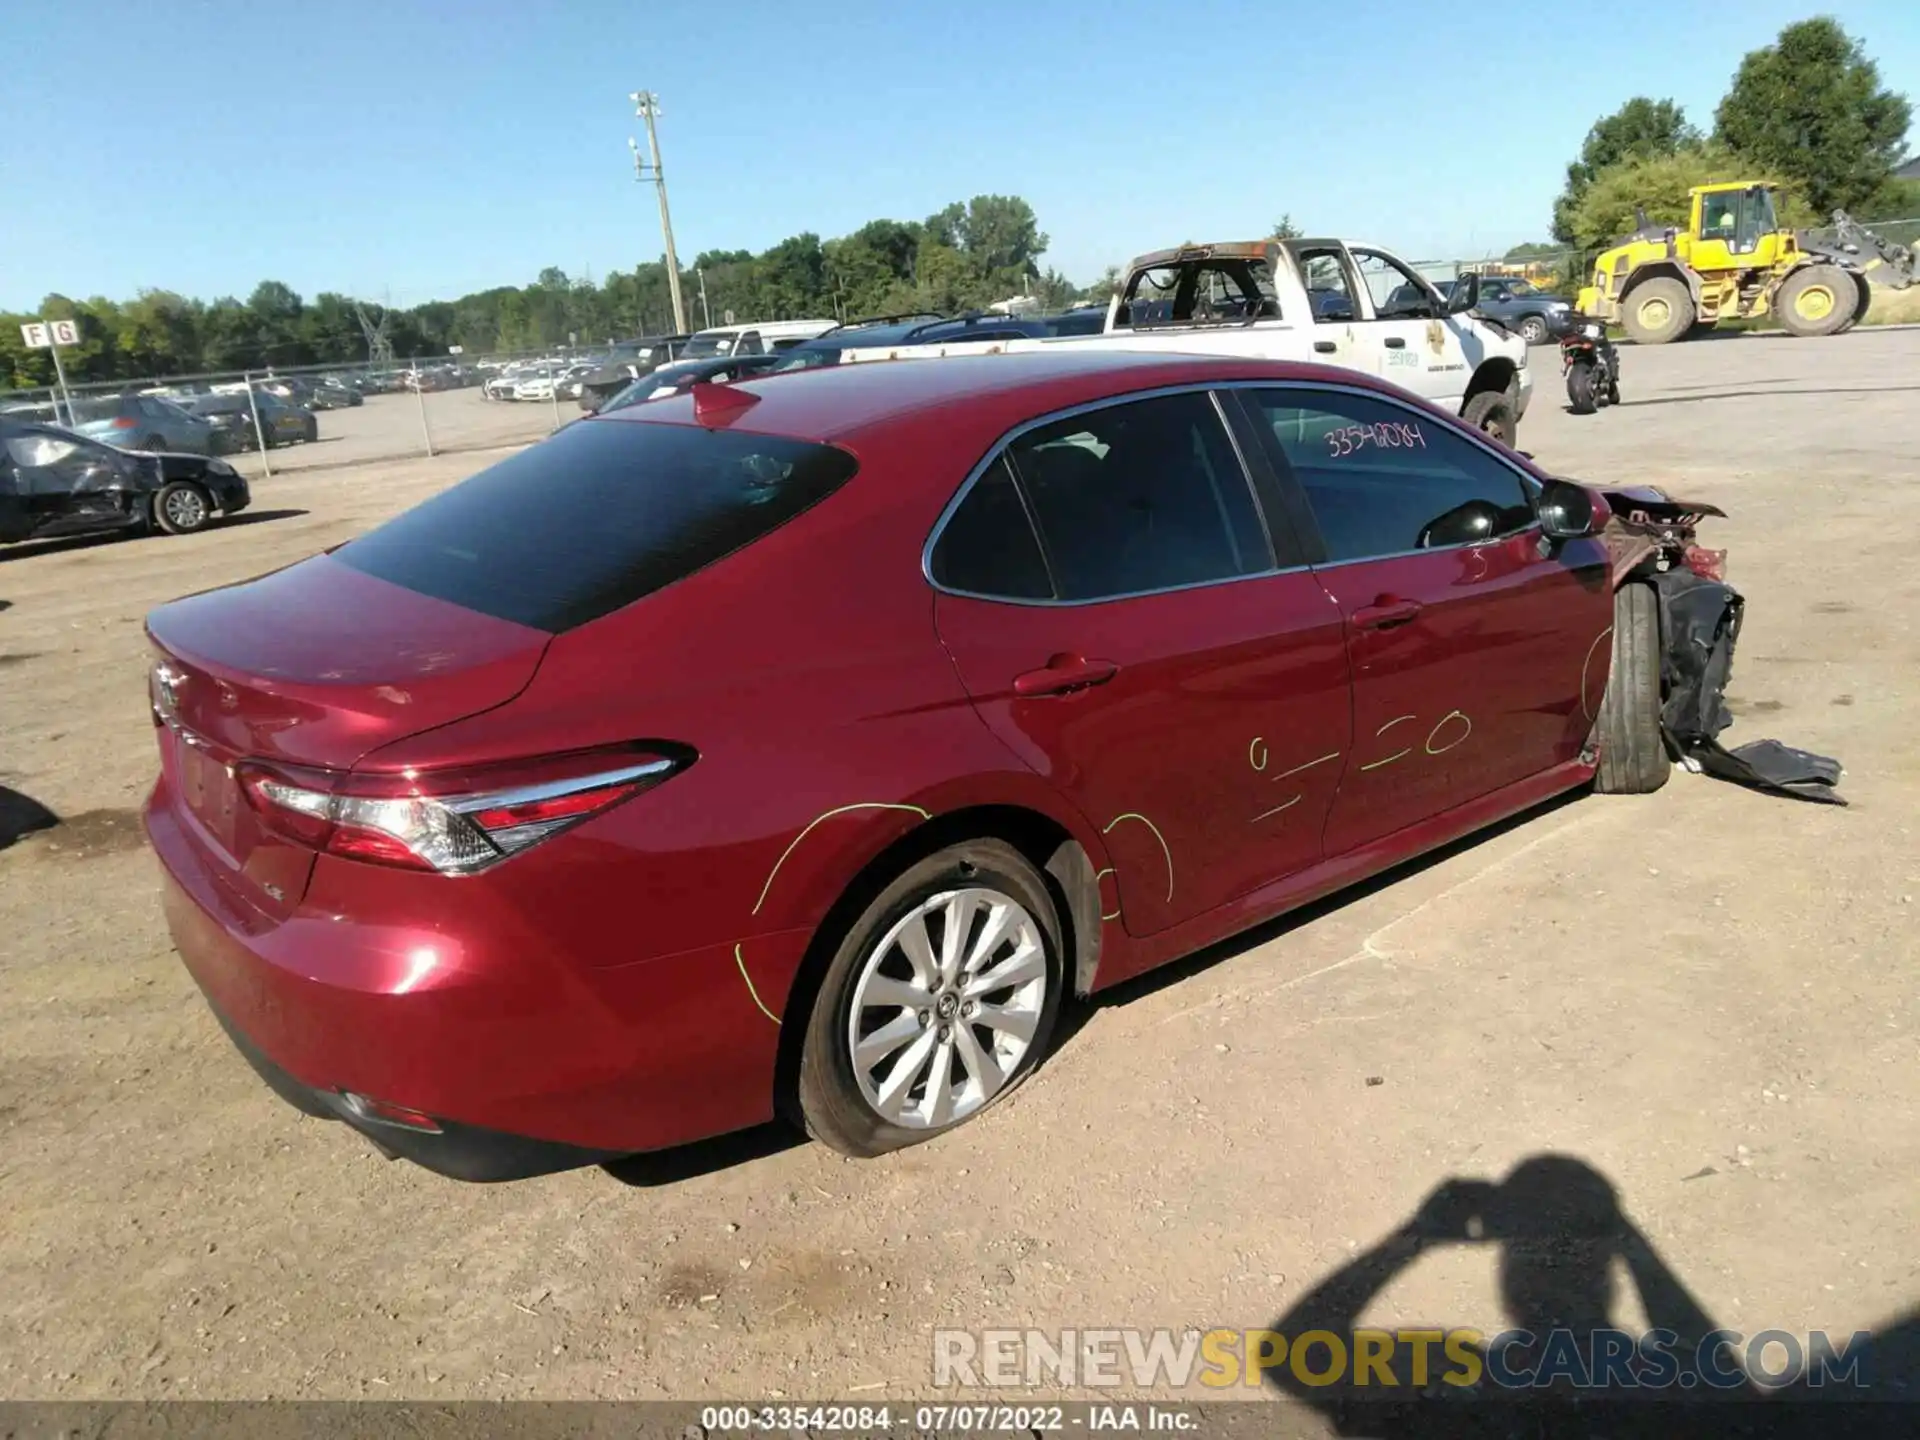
(1491, 413)
(180, 508)
(1633, 755)
(1658, 311)
(834, 1097)
(1580, 390)
(1815, 300)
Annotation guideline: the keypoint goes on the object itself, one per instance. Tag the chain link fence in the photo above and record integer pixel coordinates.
(295, 418)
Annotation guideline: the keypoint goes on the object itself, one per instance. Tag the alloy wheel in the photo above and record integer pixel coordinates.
(185, 508)
(946, 1007)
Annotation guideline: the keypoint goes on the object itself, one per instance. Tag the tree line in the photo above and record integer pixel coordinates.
(968, 255)
(1807, 114)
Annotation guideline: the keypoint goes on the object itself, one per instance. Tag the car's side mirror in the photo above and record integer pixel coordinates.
(1465, 295)
(1466, 524)
(1569, 512)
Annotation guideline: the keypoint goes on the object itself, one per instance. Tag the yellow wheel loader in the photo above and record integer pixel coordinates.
(1732, 260)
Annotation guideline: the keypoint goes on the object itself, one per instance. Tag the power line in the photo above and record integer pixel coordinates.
(646, 105)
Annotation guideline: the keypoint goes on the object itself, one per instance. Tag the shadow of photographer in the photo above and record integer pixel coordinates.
(1569, 1362)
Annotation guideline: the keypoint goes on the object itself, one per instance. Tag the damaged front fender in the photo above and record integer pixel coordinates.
(1650, 532)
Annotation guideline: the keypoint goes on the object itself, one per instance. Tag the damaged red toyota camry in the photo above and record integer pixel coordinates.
(800, 745)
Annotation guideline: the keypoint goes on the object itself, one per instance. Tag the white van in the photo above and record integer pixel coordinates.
(760, 339)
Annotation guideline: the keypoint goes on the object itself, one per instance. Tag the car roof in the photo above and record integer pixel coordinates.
(840, 402)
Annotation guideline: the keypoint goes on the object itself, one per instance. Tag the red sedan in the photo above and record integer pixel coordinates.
(799, 745)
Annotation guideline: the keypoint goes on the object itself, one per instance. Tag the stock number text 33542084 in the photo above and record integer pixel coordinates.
(1382, 435)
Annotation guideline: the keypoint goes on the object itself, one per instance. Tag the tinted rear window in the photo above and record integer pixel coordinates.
(603, 513)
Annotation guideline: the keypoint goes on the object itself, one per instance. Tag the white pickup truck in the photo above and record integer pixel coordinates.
(1329, 301)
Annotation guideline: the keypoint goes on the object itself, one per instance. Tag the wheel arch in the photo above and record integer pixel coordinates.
(1496, 373)
(1047, 843)
(1662, 270)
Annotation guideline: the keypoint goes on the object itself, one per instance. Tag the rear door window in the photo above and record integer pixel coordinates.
(596, 517)
(1143, 496)
(988, 547)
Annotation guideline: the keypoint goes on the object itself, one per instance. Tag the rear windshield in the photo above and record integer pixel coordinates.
(84, 410)
(599, 515)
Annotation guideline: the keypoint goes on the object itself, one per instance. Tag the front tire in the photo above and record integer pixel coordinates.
(180, 508)
(1658, 311)
(1581, 390)
(939, 1000)
(1633, 754)
(1491, 413)
(1816, 300)
(1533, 329)
(1863, 298)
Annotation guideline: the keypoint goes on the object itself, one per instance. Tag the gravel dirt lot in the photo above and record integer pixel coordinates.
(1706, 995)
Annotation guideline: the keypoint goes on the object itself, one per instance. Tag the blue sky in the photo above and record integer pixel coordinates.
(420, 149)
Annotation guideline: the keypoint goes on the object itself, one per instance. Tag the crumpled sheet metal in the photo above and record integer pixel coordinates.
(1700, 622)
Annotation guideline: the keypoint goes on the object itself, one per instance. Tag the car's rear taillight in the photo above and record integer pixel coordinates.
(124, 422)
(452, 821)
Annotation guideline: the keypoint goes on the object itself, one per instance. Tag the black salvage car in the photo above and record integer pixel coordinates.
(631, 360)
(53, 482)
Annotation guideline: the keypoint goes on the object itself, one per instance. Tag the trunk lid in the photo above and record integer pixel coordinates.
(312, 666)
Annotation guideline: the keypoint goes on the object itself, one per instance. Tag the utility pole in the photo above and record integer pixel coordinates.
(646, 105)
(706, 314)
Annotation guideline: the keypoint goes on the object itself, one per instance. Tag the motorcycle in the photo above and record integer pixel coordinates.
(1591, 365)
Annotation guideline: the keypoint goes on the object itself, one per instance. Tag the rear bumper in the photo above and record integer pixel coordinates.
(528, 1058)
(460, 1152)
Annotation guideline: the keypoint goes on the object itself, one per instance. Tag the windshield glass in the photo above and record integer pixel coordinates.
(702, 347)
(1521, 288)
(85, 410)
(642, 389)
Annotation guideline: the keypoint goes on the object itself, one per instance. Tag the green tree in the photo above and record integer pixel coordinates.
(1003, 235)
(229, 337)
(1810, 107)
(969, 254)
(1533, 250)
(862, 268)
(278, 313)
(330, 329)
(1641, 127)
(1285, 229)
(948, 227)
(159, 334)
(1054, 291)
(21, 368)
(1894, 200)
